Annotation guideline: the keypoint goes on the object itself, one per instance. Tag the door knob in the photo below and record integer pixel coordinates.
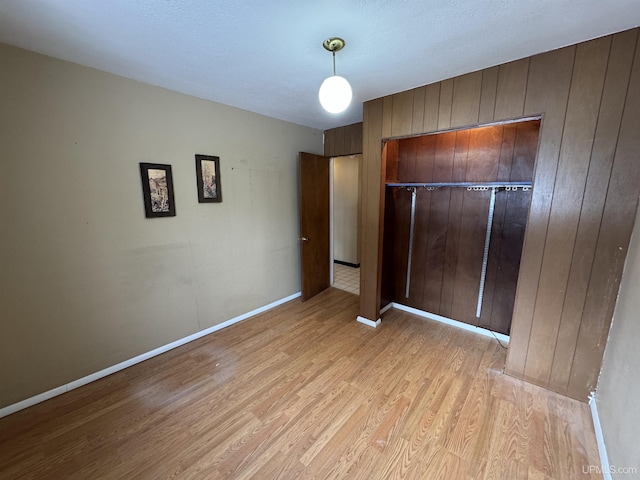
(304, 239)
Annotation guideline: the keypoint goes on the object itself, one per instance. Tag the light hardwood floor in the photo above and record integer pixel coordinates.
(305, 392)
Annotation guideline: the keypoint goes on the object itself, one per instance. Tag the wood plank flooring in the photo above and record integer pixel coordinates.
(305, 392)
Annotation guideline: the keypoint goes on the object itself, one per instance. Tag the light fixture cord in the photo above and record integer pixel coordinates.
(334, 63)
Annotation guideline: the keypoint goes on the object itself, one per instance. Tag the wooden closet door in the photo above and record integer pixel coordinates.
(448, 249)
(470, 239)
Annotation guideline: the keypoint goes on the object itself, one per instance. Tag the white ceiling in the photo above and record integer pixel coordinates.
(267, 56)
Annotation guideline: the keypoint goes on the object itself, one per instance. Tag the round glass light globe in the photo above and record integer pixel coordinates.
(335, 94)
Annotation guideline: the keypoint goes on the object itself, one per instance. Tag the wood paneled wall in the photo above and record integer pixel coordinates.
(586, 187)
(343, 140)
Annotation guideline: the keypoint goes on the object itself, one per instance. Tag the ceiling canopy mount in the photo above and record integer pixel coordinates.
(333, 44)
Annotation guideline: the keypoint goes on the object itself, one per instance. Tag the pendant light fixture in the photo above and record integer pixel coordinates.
(335, 92)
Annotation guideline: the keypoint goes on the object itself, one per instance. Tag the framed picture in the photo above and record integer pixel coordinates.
(157, 189)
(208, 179)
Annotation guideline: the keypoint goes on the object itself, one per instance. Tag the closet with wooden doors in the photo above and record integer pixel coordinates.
(456, 206)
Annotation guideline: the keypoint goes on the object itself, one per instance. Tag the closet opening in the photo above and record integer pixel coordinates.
(456, 207)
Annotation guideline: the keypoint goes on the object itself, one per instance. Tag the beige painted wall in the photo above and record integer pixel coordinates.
(346, 196)
(86, 280)
(619, 384)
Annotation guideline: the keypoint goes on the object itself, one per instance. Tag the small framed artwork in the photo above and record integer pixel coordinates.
(208, 179)
(157, 189)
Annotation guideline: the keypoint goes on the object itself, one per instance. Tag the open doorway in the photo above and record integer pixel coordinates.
(345, 222)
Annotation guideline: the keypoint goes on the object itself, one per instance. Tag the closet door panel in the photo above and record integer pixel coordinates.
(433, 270)
(443, 171)
(396, 242)
(507, 239)
(493, 266)
(451, 251)
(472, 228)
(420, 248)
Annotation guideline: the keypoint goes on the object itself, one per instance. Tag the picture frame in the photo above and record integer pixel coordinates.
(208, 179)
(157, 190)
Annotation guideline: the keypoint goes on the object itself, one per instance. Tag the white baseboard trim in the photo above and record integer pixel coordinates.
(454, 323)
(604, 458)
(8, 410)
(386, 308)
(367, 322)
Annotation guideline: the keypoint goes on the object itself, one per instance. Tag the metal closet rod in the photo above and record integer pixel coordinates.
(462, 184)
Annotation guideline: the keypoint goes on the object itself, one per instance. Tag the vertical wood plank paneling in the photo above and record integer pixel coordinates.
(460, 159)
(483, 161)
(354, 138)
(436, 249)
(579, 127)
(432, 237)
(329, 143)
(388, 250)
(396, 238)
(380, 233)
(387, 118)
(334, 142)
(369, 133)
(402, 116)
(443, 172)
(613, 241)
(507, 258)
(392, 161)
(425, 158)
(488, 95)
(547, 92)
(345, 140)
(512, 86)
(403, 212)
(371, 177)
(407, 158)
(525, 149)
(517, 158)
(431, 108)
(466, 99)
(444, 156)
(610, 116)
(507, 147)
(417, 120)
(451, 148)
(444, 107)
(482, 165)
(495, 248)
(339, 141)
(494, 290)
(420, 248)
(540, 88)
(444, 151)
(472, 227)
